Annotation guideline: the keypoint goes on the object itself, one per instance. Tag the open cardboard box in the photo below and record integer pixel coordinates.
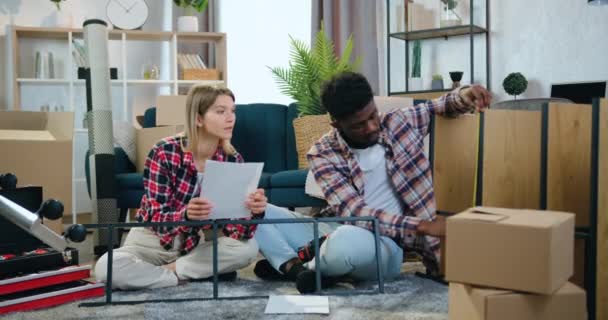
(170, 110)
(474, 303)
(147, 138)
(523, 250)
(37, 148)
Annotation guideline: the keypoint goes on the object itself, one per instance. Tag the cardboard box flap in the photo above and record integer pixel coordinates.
(61, 125)
(481, 216)
(26, 135)
(171, 110)
(42, 126)
(23, 120)
(519, 217)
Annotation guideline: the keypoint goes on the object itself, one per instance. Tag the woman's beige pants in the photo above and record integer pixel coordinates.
(137, 264)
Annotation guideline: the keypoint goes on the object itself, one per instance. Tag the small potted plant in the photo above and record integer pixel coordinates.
(449, 17)
(456, 76)
(189, 21)
(63, 17)
(437, 83)
(515, 84)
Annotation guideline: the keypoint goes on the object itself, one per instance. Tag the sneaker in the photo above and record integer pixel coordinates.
(306, 281)
(265, 271)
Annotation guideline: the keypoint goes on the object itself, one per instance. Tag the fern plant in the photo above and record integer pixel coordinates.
(309, 68)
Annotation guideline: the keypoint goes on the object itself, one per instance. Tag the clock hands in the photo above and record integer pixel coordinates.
(131, 7)
(120, 4)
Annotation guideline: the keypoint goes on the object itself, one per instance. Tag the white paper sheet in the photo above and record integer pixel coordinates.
(227, 184)
(297, 304)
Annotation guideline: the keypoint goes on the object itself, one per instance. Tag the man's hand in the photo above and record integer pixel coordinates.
(198, 209)
(476, 96)
(434, 228)
(256, 202)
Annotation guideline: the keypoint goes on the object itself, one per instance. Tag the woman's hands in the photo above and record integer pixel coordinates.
(256, 202)
(198, 209)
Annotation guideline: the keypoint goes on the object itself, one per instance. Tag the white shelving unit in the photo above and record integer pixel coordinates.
(125, 86)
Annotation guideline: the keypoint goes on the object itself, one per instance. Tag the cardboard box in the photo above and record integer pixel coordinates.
(473, 303)
(148, 137)
(170, 110)
(523, 250)
(37, 148)
(201, 74)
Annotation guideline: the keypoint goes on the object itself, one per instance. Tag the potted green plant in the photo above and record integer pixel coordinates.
(437, 83)
(449, 17)
(189, 21)
(416, 79)
(309, 68)
(515, 84)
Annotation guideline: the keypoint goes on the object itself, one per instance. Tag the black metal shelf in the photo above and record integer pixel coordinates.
(470, 30)
(420, 91)
(463, 30)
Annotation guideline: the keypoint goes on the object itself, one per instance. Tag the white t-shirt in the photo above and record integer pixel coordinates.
(379, 192)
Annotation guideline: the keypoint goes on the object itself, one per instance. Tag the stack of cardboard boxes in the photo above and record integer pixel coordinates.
(512, 264)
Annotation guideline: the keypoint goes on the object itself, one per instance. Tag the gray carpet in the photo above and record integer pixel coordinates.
(409, 297)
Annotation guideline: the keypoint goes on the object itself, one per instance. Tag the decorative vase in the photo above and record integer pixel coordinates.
(187, 24)
(64, 19)
(449, 17)
(437, 84)
(415, 84)
(456, 76)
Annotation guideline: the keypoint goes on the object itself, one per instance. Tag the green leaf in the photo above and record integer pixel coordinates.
(309, 68)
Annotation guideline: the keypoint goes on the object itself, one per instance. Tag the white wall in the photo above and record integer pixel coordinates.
(258, 36)
(549, 41)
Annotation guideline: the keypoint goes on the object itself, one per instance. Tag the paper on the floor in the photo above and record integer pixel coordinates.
(297, 304)
(227, 184)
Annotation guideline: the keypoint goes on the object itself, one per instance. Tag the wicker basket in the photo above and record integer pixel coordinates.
(308, 129)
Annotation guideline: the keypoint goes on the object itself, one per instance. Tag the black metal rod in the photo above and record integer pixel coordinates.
(110, 259)
(317, 256)
(215, 275)
(488, 49)
(471, 42)
(432, 143)
(379, 272)
(407, 65)
(123, 225)
(479, 189)
(388, 48)
(134, 302)
(591, 243)
(544, 148)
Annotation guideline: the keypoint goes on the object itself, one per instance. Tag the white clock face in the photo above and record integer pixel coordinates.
(127, 14)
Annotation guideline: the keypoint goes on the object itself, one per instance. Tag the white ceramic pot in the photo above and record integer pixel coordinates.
(187, 24)
(64, 19)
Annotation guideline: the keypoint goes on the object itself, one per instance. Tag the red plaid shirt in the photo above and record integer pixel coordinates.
(402, 135)
(170, 178)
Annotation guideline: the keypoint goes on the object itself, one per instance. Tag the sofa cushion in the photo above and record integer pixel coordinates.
(132, 180)
(265, 180)
(259, 134)
(289, 179)
(293, 198)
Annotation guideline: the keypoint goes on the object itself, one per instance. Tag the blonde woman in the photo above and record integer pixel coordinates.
(164, 256)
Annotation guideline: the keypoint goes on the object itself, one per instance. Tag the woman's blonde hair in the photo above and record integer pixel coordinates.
(200, 99)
